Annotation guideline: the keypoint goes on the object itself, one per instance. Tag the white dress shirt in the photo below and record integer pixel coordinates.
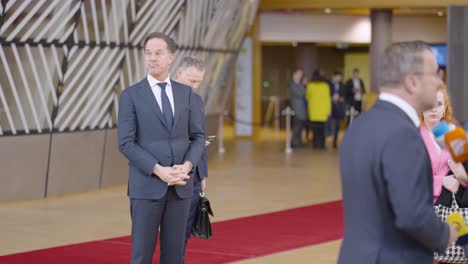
(153, 82)
(357, 83)
(403, 105)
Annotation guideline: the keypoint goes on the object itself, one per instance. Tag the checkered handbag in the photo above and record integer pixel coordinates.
(454, 253)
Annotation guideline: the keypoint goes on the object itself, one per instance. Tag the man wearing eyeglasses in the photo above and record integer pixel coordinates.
(385, 169)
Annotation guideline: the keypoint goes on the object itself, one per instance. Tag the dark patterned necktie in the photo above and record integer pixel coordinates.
(166, 106)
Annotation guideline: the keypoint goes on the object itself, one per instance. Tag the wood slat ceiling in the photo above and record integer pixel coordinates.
(311, 4)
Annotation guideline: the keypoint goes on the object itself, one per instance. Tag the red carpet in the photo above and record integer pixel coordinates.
(233, 240)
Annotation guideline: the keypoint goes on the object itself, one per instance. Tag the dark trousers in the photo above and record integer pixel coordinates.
(336, 129)
(318, 128)
(299, 125)
(358, 106)
(192, 216)
(169, 214)
(329, 127)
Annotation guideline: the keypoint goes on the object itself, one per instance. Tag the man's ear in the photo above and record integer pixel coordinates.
(179, 72)
(171, 58)
(410, 83)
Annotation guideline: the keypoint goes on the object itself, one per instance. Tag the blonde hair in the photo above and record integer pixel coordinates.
(448, 114)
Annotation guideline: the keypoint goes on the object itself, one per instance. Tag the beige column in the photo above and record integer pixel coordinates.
(381, 38)
(457, 60)
(306, 57)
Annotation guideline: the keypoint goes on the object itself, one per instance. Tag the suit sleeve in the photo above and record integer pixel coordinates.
(127, 126)
(203, 166)
(348, 91)
(343, 91)
(408, 180)
(330, 86)
(196, 129)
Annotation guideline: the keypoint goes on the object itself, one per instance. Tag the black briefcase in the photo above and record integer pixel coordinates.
(202, 226)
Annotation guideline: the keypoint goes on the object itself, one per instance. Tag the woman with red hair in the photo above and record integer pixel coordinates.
(441, 161)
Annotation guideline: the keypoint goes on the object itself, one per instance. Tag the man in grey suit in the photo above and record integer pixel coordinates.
(162, 136)
(190, 73)
(385, 168)
(297, 98)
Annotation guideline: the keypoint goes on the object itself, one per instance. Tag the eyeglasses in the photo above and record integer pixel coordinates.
(433, 74)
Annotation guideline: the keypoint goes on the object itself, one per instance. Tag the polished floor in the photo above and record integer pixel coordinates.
(252, 177)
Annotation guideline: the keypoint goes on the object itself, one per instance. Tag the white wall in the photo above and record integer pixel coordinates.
(280, 27)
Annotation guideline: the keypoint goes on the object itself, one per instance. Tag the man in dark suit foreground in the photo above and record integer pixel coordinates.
(385, 169)
(162, 136)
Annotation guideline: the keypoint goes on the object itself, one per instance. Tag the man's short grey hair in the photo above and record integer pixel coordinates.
(188, 62)
(401, 59)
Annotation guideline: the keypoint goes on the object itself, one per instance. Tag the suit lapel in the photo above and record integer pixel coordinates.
(148, 97)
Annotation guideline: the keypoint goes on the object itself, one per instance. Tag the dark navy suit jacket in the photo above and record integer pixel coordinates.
(202, 169)
(387, 191)
(145, 139)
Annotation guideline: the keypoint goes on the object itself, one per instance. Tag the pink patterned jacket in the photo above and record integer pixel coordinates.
(439, 160)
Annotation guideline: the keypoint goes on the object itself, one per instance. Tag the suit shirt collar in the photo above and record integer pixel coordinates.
(403, 105)
(153, 81)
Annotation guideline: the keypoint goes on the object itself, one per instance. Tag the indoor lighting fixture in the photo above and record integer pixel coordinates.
(327, 10)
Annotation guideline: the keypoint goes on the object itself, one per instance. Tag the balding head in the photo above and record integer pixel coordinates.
(191, 72)
(409, 71)
(402, 59)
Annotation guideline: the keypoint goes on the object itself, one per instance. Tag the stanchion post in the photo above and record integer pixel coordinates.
(277, 114)
(221, 149)
(288, 112)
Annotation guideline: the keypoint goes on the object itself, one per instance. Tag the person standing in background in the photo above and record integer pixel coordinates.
(355, 92)
(441, 161)
(191, 73)
(297, 96)
(319, 107)
(337, 91)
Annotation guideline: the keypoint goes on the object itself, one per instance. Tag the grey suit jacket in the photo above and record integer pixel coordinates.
(387, 191)
(145, 139)
(202, 169)
(297, 97)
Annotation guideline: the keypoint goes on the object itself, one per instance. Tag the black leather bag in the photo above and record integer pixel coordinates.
(454, 253)
(202, 226)
(445, 198)
(461, 197)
